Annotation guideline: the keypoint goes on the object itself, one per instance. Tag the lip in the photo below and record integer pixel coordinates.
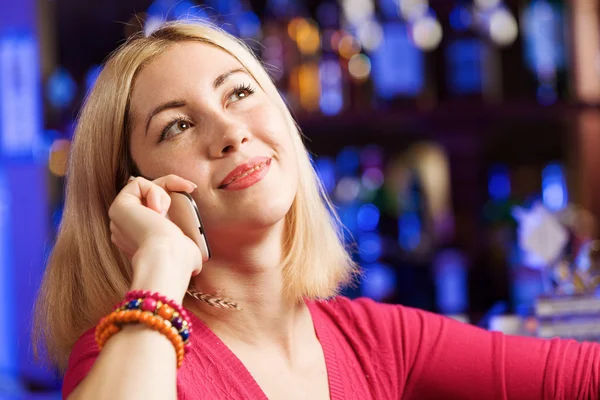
(246, 174)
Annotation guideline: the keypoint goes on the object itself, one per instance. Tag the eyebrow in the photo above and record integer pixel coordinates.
(220, 80)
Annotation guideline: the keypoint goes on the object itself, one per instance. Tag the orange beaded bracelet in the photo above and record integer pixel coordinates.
(113, 322)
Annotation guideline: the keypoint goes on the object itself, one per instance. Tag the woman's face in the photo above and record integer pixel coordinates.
(196, 113)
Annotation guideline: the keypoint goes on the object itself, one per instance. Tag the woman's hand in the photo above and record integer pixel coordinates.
(163, 258)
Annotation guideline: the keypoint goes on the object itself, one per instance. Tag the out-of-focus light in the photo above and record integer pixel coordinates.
(308, 86)
(369, 247)
(248, 25)
(356, 11)
(359, 67)
(20, 113)
(308, 37)
(486, 4)
(409, 231)
(327, 14)
(554, 187)
(184, 9)
(460, 18)
(347, 190)
(282, 8)
(330, 74)
(546, 94)
(348, 161)
(347, 212)
(368, 217)
(398, 66)
(379, 281)
(499, 183)
(427, 33)
(370, 35)
(464, 60)
(372, 178)
(59, 154)
(294, 25)
(325, 167)
(61, 88)
(389, 8)
(159, 9)
(413, 9)
(544, 41)
(348, 46)
(331, 102)
(336, 37)
(451, 281)
(91, 76)
(503, 27)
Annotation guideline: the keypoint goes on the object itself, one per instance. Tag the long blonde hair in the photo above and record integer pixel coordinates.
(87, 274)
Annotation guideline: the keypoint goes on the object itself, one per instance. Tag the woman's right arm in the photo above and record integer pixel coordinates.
(138, 362)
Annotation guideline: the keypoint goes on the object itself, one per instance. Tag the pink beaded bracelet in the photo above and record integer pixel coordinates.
(144, 294)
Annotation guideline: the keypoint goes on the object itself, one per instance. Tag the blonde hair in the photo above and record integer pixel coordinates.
(87, 274)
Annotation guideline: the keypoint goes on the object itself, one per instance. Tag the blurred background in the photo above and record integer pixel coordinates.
(459, 140)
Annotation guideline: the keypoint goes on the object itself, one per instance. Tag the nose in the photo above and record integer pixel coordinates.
(229, 137)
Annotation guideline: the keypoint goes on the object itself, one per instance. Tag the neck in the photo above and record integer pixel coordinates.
(250, 273)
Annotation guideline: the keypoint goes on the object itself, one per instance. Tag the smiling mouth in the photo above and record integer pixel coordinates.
(248, 170)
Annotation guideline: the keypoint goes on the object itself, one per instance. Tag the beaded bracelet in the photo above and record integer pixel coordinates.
(165, 311)
(159, 305)
(112, 323)
(141, 294)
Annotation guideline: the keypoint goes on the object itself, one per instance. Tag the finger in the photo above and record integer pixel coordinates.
(154, 198)
(174, 183)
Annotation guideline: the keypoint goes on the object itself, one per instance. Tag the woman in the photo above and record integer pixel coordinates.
(190, 105)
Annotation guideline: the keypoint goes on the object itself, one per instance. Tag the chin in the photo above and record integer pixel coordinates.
(251, 215)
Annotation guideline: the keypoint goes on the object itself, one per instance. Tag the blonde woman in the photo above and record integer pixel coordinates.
(191, 106)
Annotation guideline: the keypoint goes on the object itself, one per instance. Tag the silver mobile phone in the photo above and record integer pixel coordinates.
(184, 213)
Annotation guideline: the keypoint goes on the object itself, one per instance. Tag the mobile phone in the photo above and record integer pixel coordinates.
(184, 213)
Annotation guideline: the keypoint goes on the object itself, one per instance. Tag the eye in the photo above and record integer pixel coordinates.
(174, 128)
(241, 92)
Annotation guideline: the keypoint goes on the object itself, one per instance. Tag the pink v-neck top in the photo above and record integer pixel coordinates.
(381, 351)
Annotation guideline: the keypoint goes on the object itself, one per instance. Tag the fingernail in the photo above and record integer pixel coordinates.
(193, 184)
(130, 179)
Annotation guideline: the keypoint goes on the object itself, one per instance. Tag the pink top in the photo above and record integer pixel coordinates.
(380, 351)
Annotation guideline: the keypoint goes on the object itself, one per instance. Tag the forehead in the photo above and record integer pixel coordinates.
(182, 68)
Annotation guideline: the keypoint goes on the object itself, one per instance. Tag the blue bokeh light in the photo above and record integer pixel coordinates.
(397, 65)
(499, 183)
(460, 18)
(368, 217)
(451, 282)
(61, 88)
(348, 161)
(325, 167)
(409, 231)
(379, 281)
(554, 187)
(463, 57)
(248, 24)
(369, 247)
(331, 102)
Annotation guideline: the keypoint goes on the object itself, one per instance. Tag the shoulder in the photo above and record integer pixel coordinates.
(359, 310)
(372, 320)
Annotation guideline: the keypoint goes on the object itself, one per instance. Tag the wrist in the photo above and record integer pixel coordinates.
(156, 272)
